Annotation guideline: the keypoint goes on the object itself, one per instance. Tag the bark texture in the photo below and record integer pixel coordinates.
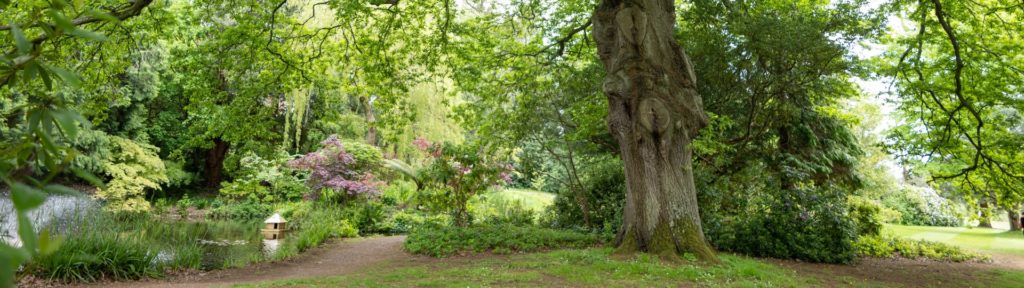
(654, 114)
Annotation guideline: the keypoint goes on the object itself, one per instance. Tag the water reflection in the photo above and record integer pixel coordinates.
(56, 214)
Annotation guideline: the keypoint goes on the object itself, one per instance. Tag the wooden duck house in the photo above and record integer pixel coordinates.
(274, 227)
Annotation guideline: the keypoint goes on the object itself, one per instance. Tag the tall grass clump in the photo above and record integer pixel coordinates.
(321, 223)
(98, 248)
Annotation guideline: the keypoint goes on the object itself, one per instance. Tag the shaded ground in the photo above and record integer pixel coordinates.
(902, 272)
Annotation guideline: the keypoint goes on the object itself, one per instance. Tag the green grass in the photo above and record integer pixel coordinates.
(531, 199)
(993, 241)
(588, 267)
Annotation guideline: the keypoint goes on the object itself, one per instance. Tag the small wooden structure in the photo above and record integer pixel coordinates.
(275, 227)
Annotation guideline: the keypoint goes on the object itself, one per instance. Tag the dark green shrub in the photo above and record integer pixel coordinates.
(878, 246)
(369, 216)
(798, 224)
(445, 241)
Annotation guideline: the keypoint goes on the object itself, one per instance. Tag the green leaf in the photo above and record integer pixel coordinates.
(48, 245)
(56, 189)
(68, 122)
(88, 177)
(62, 22)
(87, 34)
(29, 240)
(11, 259)
(70, 78)
(20, 41)
(26, 197)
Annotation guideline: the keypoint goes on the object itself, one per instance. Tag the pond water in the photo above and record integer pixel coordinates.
(211, 244)
(55, 213)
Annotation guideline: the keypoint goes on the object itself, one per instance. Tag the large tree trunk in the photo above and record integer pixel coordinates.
(215, 163)
(654, 113)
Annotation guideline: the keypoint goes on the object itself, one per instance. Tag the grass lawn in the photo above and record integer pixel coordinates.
(532, 199)
(595, 268)
(589, 268)
(986, 240)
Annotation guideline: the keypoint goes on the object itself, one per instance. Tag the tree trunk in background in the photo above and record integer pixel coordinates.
(371, 122)
(1014, 218)
(654, 114)
(985, 219)
(215, 163)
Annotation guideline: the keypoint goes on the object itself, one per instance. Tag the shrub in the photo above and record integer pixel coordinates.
(445, 241)
(810, 225)
(867, 216)
(264, 180)
(369, 216)
(404, 221)
(334, 167)
(878, 246)
(920, 206)
(133, 168)
(456, 173)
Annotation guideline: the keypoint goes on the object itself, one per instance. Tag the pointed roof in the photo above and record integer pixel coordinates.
(275, 219)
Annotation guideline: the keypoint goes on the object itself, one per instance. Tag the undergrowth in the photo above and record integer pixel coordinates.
(501, 239)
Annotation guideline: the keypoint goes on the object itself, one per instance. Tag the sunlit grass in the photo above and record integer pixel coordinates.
(993, 241)
(531, 199)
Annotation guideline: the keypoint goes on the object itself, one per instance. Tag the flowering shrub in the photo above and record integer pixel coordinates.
(335, 168)
(455, 174)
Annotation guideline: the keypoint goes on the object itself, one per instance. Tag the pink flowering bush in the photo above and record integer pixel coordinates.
(335, 168)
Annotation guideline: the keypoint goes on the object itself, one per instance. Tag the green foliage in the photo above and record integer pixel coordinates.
(495, 209)
(603, 193)
(797, 224)
(133, 168)
(917, 206)
(446, 241)
(367, 157)
(316, 227)
(369, 216)
(94, 255)
(879, 246)
(265, 181)
(245, 210)
(455, 175)
(867, 215)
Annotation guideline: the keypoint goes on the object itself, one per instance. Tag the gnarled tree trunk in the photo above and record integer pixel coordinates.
(654, 113)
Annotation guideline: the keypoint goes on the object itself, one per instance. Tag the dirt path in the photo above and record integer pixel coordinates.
(333, 259)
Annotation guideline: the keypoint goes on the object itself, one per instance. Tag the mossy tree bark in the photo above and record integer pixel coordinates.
(654, 114)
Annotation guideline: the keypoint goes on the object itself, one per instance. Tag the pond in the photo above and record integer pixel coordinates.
(204, 245)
